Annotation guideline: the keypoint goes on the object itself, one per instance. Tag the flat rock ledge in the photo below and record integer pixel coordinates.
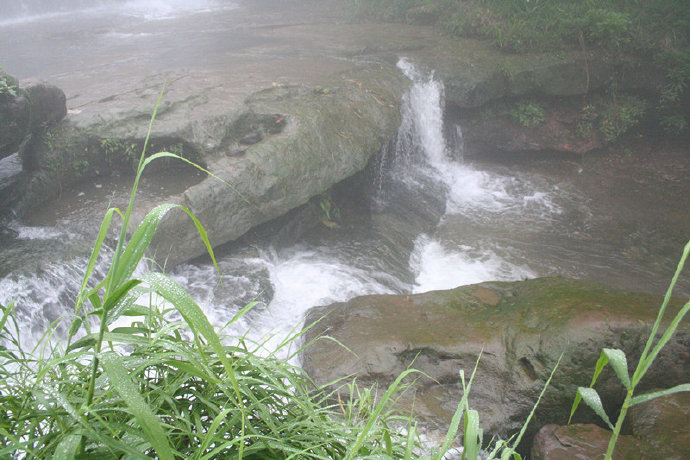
(517, 331)
(270, 151)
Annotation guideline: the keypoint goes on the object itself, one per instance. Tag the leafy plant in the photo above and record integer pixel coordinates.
(8, 85)
(619, 363)
(620, 115)
(528, 114)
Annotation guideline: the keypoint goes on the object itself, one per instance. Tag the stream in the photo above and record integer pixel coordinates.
(429, 220)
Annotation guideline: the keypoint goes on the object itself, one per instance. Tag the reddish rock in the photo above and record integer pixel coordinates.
(584, 442)
(664, 423)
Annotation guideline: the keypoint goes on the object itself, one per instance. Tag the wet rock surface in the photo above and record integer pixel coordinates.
(659, 430)
(27, 111)
(519, 328)
(585, 442)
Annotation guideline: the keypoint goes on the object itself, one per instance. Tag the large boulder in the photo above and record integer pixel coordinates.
(518, 328)
(27, 111)
(270, 152)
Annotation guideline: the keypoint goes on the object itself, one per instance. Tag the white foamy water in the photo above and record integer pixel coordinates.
(299, 278)
(468, 189)
(437, 267)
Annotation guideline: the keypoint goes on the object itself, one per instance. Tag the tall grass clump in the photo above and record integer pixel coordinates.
(618, 361)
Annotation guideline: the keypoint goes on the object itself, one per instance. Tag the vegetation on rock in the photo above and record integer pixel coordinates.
(649, 29)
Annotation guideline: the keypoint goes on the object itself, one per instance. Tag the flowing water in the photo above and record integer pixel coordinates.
(431, 220)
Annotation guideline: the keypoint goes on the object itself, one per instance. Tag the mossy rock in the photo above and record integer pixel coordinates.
(520, 329)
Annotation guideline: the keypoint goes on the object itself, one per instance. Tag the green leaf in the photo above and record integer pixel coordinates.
(645, 362)
(643, 366)
(139, 243)
(209, 436)
(619, 363)
(472, 440)
(121, 292)
(128, 391)
(388, 442)
(601, 363)
(67, 449)
(459, 412)
(534, 408)
(353, 450)
(7, 311)
(198, 322)
(592, 399)
(669, 391)
(102, 233)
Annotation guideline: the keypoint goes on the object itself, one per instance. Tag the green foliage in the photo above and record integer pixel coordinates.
(330, 213)
(528, 114)
(8, 85)
(618, 361)
(644, 28)
(620, 115)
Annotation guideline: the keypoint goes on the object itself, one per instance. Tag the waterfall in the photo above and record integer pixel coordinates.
(426, 159)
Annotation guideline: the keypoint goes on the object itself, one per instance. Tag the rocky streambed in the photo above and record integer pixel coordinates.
(307, 118)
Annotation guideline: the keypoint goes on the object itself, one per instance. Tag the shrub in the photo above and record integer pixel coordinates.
(620, 115)
(528, 114)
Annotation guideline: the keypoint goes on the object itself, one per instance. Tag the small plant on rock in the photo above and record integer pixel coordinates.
(619, 363)
(528, 114)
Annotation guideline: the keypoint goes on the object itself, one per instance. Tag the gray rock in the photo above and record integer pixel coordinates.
(29, 111)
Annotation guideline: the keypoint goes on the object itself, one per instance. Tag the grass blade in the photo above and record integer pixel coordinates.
(459, 412)
(67, 449)
(668, 333)
(148, 422)
(90, 266)
(601, 363)
(472, 440)
(669, 391)
(353, 451)
(639, 372)
(534, 408)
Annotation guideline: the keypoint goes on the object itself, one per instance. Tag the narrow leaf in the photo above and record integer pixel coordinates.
(619, 363)
(640, 371)
(669, 391)
(128, 391)
(601, 363)
(592, 399)
(67, 449)
(472, 441)
(353, 451)
(668, 333)
(460, 411)
(102, 233)
(139, 243)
